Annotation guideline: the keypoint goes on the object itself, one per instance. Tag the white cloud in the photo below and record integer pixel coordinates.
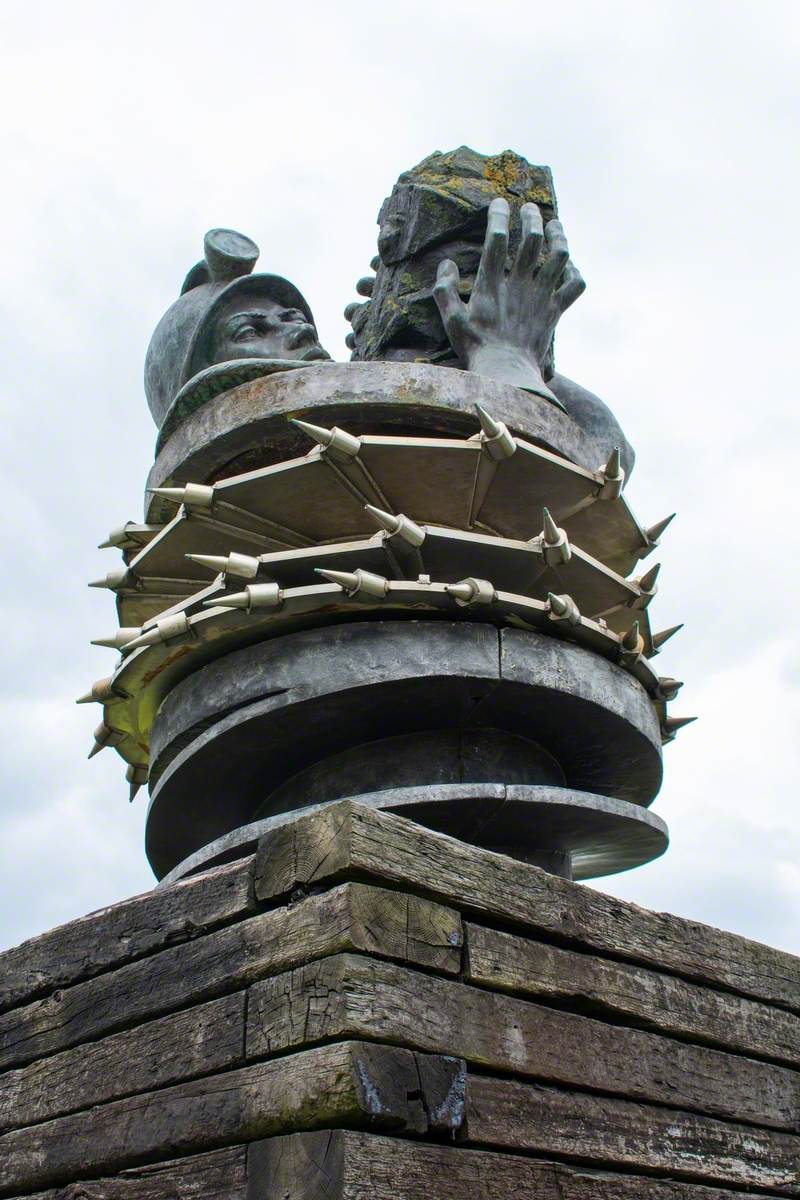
(129, 130)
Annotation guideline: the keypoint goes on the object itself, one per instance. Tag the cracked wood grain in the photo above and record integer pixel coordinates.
(346, 840)
(353, 916)
(194, 1042)
(351, 996)
(220, 1175)
(343, 1164)
(123, 932)
(503, 1113)
(637, 995)
(344, 1084)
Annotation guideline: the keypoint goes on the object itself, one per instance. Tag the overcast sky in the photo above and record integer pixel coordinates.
(671, 128)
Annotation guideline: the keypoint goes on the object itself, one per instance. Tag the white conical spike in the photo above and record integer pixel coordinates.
(136, 776)
(489, 426)
(164, 630)
(613, 468)
(631, 639)
(193, 495)
(233, 600)
(669, 687)
(551, 532)
(347, 580)
(613, 476)
(100, 692)
(497, 440)
(103, 736)
(386, 520)
(175, 494)
(116, 539)
(654, 533)
(563, 608)
(647, 582)
(647, 587)
(255, 595)
(472, 591)
(242, 566)
(119, 538)
(671, 725)
(120, 639)
(116, 579)
(460, 591)
(631, 646)
(150, 637)
(555, 543)
(323, 437)
(398, 526)
(218, 563)
(361, 584)
(658, 639)
(337, 442)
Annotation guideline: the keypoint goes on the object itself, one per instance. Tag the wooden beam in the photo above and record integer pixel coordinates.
(354, 916)
(506, 962)
(611, 1133)
(142, 925)
(347, 841)
(344, 1164)
(197, 1041)
(346, 1084)
(349, 996)
(220, 1175)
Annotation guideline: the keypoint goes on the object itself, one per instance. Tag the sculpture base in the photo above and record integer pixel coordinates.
(368, 1008)
(576, 835)
(518, 726)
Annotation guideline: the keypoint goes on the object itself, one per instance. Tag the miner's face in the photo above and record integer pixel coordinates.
(265, 329)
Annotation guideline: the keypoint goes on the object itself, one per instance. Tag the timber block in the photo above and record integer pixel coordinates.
(366, 1008)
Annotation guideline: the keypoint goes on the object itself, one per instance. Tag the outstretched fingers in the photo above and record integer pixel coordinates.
(452, 308)
(573, 286)
(530, 244)
(491, 270)
(557, 257)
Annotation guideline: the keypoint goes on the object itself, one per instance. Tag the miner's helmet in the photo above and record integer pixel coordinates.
(180, 346)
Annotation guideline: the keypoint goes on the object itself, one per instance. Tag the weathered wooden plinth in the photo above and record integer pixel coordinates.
(367, 1009)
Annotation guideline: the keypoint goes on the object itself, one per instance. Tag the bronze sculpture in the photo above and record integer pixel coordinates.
(434, 620)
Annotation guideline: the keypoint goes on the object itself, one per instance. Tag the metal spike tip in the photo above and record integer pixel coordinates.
(655, 531)
(669, 687)
(96, 748)
(558, 605)
(101, 691)
(169, 493)
(658, 639)
(323, 437)
(613, 468)
(672, 724)
(648, 581)
(134, 788)
(121, 638)
(552, 533)
(488, 424)
(116, 579)
(234, 600)
(150, 637)
(630, 640)
(214, 562)
(347, 580)
(460, 591)
(386, 520)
